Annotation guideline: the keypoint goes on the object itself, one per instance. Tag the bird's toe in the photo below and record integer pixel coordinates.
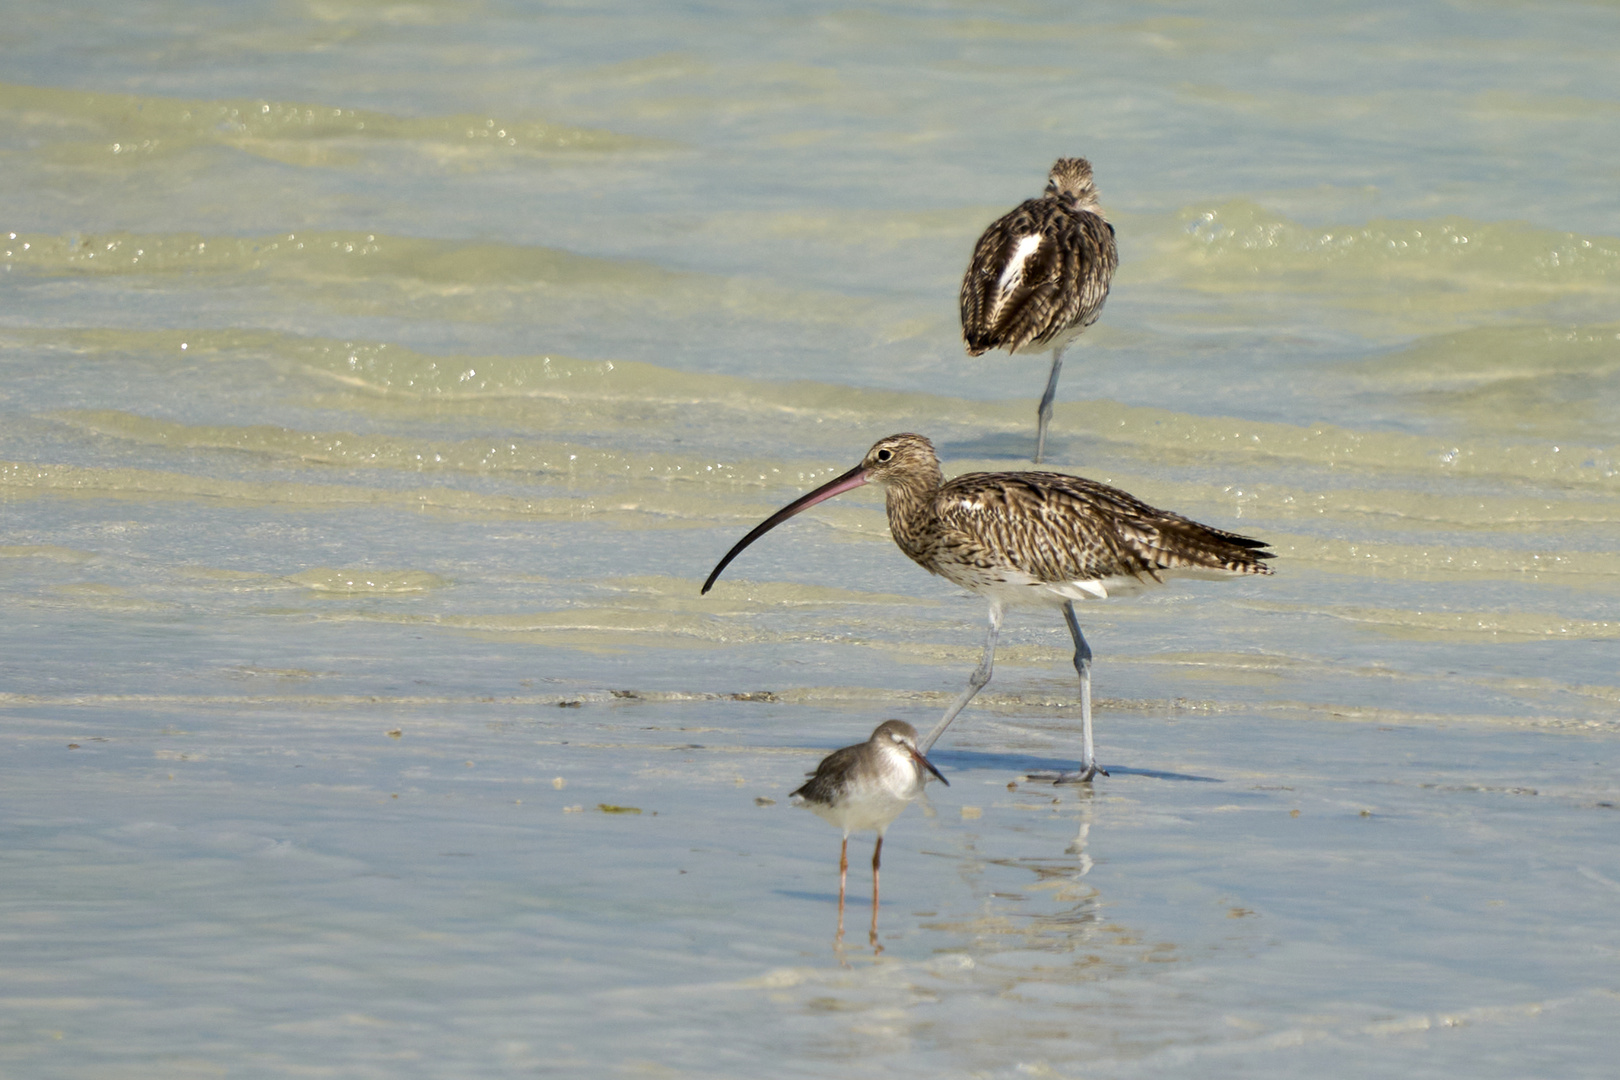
(1068, 776)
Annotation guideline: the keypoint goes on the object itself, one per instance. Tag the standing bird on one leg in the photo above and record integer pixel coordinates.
(1028, 538)
(866, 786)
(1039, 276)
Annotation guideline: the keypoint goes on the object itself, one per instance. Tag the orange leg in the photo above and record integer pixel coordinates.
(843, 876)
(877, 856)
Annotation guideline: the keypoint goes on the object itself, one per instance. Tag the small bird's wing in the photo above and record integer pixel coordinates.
(1061, 528)
(1035, 273)
(822, 787)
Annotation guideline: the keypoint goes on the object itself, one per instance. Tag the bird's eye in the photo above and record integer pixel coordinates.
(885, 455)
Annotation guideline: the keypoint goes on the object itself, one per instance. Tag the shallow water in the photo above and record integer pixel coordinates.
(379, 381)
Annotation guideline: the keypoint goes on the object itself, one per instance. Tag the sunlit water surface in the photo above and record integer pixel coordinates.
(378, 382)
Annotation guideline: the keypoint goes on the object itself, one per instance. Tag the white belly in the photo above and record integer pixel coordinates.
(873, 811)
(872, 800)
(1014, 588)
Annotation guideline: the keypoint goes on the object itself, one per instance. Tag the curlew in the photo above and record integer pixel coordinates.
(1039, 276)
(866, 786)
(1022, 538)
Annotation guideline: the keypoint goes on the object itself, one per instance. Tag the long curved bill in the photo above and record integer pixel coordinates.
(929, 765)
(850, 480)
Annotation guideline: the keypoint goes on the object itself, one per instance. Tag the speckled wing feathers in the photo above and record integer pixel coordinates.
(1060, 528)
(1058, 291)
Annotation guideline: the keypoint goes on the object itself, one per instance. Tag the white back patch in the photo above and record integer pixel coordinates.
(1015, 265)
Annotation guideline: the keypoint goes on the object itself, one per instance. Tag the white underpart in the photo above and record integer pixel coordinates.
(872, 799)
(1014, 588)
(1014, 270)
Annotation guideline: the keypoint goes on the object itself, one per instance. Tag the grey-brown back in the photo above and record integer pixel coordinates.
(831, 777)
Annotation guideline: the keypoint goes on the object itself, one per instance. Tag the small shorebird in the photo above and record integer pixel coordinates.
(866, 786)
(1028, 538)
(1039, 276)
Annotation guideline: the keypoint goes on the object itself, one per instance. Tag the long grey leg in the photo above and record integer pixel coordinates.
(1082, 666)
(976, 681)
(1045, 414)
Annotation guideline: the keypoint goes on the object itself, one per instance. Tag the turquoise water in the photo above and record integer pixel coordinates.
(379, 381)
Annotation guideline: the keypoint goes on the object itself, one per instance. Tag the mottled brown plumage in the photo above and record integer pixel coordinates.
(1043, 531)
(1039, 275)
(1028, 538)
